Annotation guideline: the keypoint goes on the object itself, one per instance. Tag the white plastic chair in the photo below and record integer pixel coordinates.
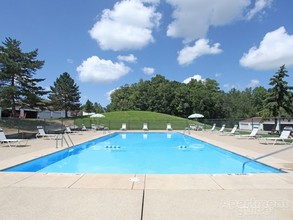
(251, 135)
(3, 139)
(123, 127)
(169, 127)
(285, 134)
(145, 127)
(42, 133)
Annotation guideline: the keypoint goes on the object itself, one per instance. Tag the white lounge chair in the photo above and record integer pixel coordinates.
(222, 129)
(213, 128)
(99, 127)
(169, 127)
(145, 127)
(94, 127)
(200, 128)
(251, 135)
(69, 131)
(123, 127)
(3, 139)
(232, 132)
(193, 127)
(83, 127)
(42, 133)
(285, 135)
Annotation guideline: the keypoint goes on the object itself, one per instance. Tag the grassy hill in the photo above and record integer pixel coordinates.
(135, 120)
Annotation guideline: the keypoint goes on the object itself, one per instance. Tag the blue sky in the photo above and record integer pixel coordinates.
(106, 44)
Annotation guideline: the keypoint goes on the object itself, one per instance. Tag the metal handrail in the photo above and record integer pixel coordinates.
(261, 157)
(64, 139)
(70, 139)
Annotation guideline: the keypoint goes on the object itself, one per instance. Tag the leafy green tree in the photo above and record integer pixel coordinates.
(181, 99)
(280, 98)
(121, 100)
(17, 70)
(160, 95)
(142, 95)
(259, 95)
(205, 98)
(65, 94)
(181, 104)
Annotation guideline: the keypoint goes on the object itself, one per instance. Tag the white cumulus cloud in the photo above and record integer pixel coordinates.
(151, 1)
(128, 26)
(193, 18)
(196, 77)
(201, 47)
(109, 93)
(148, 70)
(99, 70)
(253, 83)
(258, 7)
(275, 50)
(129, 58)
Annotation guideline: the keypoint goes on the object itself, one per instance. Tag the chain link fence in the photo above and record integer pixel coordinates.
(27, 128)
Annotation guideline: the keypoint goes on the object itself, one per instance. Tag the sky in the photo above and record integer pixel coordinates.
(105, 44)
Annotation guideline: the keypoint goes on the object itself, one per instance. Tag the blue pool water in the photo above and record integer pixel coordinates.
(140, 153)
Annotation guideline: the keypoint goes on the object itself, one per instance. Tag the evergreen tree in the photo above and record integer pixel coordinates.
(98, 108)
(17, 68)
(65, 94)
(279, 97)
(88, 107)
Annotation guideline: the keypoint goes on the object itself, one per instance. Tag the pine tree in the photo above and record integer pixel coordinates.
(17, 68)
(279, 97)
(98, 108)
(88, 107)
(65, 94)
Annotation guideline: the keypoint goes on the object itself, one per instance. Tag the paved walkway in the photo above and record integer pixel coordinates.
(148, 197)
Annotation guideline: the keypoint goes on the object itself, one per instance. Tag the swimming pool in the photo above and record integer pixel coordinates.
(144, 153)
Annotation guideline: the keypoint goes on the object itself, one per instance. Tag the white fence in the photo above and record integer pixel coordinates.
(52, 114)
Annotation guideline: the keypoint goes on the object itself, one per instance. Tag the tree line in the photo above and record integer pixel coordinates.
(182, 99)
(19, 87)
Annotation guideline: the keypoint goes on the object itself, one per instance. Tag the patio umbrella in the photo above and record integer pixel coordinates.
(196, 115)
(97, 116)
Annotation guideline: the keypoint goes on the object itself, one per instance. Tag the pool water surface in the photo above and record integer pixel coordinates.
(144, 153)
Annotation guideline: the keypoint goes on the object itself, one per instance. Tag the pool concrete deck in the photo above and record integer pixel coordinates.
(147, 197)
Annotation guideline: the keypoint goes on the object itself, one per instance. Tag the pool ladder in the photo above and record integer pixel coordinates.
(63, 138)
(264, 156)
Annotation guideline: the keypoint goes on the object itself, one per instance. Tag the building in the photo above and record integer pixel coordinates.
(33, 113)
(269, 124)
(265, 124)
(250, 123)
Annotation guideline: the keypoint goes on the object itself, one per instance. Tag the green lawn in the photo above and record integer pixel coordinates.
(113, 120)
(135, 120)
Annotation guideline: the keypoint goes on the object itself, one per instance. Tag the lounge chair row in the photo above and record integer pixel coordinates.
(285, 135)
(145, 127)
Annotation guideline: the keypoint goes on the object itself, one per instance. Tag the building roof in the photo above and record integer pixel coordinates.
(253, 119)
